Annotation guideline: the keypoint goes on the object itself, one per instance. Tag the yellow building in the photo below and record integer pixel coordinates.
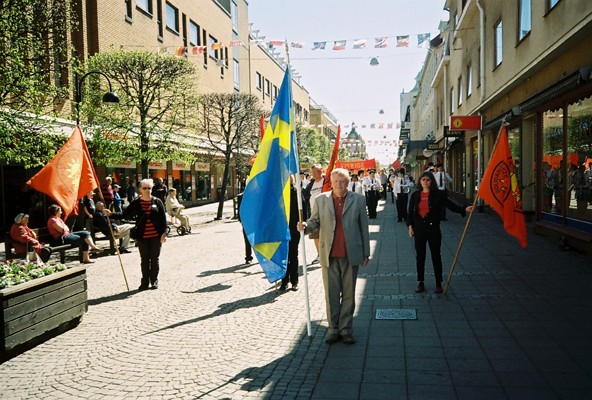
(525, 63)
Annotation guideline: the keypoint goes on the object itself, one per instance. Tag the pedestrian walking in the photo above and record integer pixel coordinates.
(372, 186)
(340, 216)
(150, 215)
(423, 222)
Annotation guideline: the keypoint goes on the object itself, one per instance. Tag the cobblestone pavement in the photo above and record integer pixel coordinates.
(516, 324)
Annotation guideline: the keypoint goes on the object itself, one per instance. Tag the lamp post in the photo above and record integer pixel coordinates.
(110, 97)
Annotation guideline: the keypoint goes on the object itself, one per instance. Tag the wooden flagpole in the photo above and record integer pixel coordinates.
(300, 213)
(504, 123)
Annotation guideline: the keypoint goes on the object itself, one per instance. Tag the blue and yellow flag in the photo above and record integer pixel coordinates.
(265, 206)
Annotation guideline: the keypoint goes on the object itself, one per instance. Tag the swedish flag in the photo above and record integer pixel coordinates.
(265, 206)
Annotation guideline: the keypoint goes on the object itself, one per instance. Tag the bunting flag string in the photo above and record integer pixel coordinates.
(381, 42)
(376, 125)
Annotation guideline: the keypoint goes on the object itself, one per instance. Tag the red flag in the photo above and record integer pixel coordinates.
(261, 126)
(334, 158)
(396, 165)
(499, 188)
(69, 175)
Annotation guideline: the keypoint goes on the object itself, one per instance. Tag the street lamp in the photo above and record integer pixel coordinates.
(110, 97)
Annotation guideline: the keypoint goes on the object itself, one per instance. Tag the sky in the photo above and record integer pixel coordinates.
(344, 81)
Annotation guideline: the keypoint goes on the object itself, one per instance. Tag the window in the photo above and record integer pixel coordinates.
(460, 92)
(479, 67)
(267, 88)
(275, 92)
(258, 81)
(552, 3)
(193, 33)
(469, 80)
(128, 10)
(172, 17)
(236, 74)
(234, 15)
(213, 48)
(498, 56)
(144, 5)
(159, 19)
(451, 101)
(525, 19)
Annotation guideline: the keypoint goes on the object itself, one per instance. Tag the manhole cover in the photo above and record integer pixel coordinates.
(396, 313)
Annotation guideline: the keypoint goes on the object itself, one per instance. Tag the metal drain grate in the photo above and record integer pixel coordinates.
(396, 313)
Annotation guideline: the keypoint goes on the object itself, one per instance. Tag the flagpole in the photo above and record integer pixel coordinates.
(109, 224)
(460, 243)
(300, 212)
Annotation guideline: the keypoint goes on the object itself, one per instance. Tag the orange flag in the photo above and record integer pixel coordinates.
(499, 188)
(69, 175)
(334, 158)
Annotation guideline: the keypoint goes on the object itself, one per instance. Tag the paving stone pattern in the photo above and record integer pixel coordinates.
(515, 324)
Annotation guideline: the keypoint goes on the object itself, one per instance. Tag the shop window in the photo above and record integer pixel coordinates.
(579, 160)
(552, 163)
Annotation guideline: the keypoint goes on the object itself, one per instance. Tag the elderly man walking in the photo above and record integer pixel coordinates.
(344, 245)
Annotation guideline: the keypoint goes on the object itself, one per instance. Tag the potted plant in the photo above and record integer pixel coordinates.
(38, 302)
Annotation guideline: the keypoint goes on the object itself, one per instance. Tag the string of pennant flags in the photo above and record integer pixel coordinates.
(381, 125)
(423, 41)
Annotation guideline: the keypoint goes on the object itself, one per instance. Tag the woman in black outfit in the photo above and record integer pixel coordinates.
(423, 222)
(149, 213)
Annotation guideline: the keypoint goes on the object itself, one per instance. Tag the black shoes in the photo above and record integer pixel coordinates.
(154, 285)
(124, 250)
(142, 288)
(248, 260)
(283, 288)
(332, 338)
(295, 287)
(348, 339)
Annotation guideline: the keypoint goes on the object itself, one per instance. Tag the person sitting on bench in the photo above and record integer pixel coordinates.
(60, 232)
(174, 208)
(24, 239)
(119, 231)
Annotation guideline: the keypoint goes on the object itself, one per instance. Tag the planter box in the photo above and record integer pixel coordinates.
(37, 310)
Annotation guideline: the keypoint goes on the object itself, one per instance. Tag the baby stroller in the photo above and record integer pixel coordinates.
(175, 223)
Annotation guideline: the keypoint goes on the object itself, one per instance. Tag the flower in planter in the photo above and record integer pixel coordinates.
(20, 271)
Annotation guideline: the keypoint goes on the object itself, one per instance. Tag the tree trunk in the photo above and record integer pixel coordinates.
(223, 188)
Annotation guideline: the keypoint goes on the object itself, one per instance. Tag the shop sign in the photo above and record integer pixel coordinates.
(465, 122)
(203, 167)
(157, 164)
(177, 165)
(124, 164)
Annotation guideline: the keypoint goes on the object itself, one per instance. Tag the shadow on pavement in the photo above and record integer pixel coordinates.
(228, 270)
(226, 308)
(218, 287)
(115, 297)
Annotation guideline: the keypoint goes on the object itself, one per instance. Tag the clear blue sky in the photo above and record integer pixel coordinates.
(344, 81)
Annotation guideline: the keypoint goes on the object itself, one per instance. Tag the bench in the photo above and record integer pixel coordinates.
(44, 237)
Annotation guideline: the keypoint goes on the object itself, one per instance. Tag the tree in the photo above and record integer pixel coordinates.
(33, 75)
(230, 122)
(313, 147)
(158, 100)
(580, 134)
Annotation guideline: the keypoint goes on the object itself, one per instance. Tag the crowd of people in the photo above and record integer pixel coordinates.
(337, 220)
(143, 218)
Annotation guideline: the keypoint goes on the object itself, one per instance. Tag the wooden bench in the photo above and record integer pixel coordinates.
(44, 237)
